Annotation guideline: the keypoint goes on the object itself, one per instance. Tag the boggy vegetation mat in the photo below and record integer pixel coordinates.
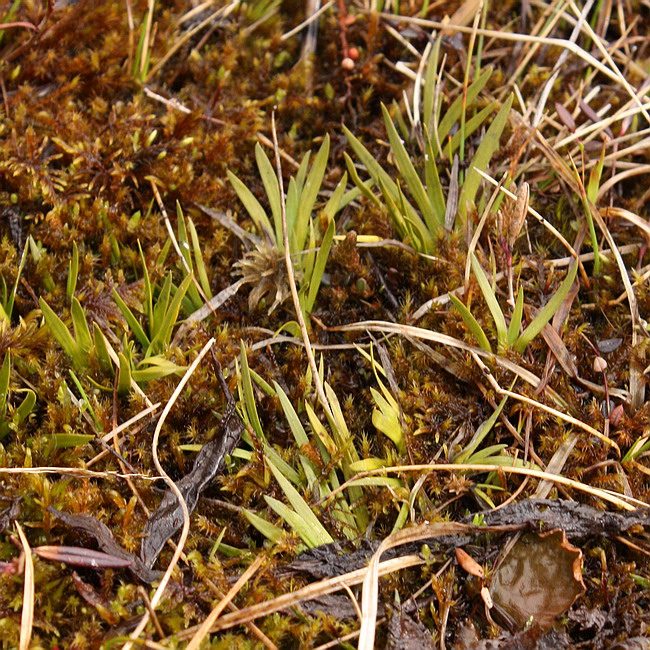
(253, 396)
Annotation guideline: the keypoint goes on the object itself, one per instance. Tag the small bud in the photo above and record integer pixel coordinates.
(616, 415)
(487, 597)
(347, 64)
(600, 365)
(353, 53)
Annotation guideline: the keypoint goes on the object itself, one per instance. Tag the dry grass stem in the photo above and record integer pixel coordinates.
(27, 616)
(206, 626)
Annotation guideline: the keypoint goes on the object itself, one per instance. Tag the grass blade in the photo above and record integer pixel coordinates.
(73, 272)
(454, 111)
(319, 267)
(247, 392)
(472, 323)
(491, 300)
(81, 330)
(515, 321)
(272, 532)
(131, 320)
(198, 259)
(272, 189)
(432, 179)
(308, 526)
(63, 336)
(310, 191)
(482, 157)
(410, 176)
(161, 340)
(252, 205)
(548, 311)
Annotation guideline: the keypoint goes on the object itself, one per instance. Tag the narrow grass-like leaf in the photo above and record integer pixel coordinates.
(350, 454)
(192, 300)
(320, 431)
(85, 402)
(163, 336)
(310, 191)
(80, 325)
(26, 406)
(63, 336)
(290, 414)
(319, 267)
(480, 434)
(386, 420)
(428, 91)
(377, 481)
(287, 470)
(471, 126)
(252, 205)
(640, 446)
(5, 373)
(515, 321)
(295, 522)
(432, 179)
(368, 464)
(299, 434)
(148, 289)
(247, 391)
(491, 300)
(375, 170)
(547, 312)
(160, 307)
(310, 526)
(272, 189)
(198, 259)
(65, 440)
(272, 532)
(454, 111)
(101, 349)
(155, 368)
(472, 323)
(363, 187)
(131, 320)
(124, 377)
(489, 144)
(73, 272)
(410, 176)
(595, 175)
(335, 202)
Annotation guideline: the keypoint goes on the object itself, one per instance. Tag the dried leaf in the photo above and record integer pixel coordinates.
(79, 556)
(104, 538)
(469, 564)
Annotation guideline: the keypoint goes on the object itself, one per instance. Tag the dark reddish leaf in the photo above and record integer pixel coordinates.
(104, 538)
(79, 556)
(565, 116)
(92, 597)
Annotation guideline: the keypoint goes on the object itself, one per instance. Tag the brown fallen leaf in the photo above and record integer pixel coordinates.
(469, 564)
